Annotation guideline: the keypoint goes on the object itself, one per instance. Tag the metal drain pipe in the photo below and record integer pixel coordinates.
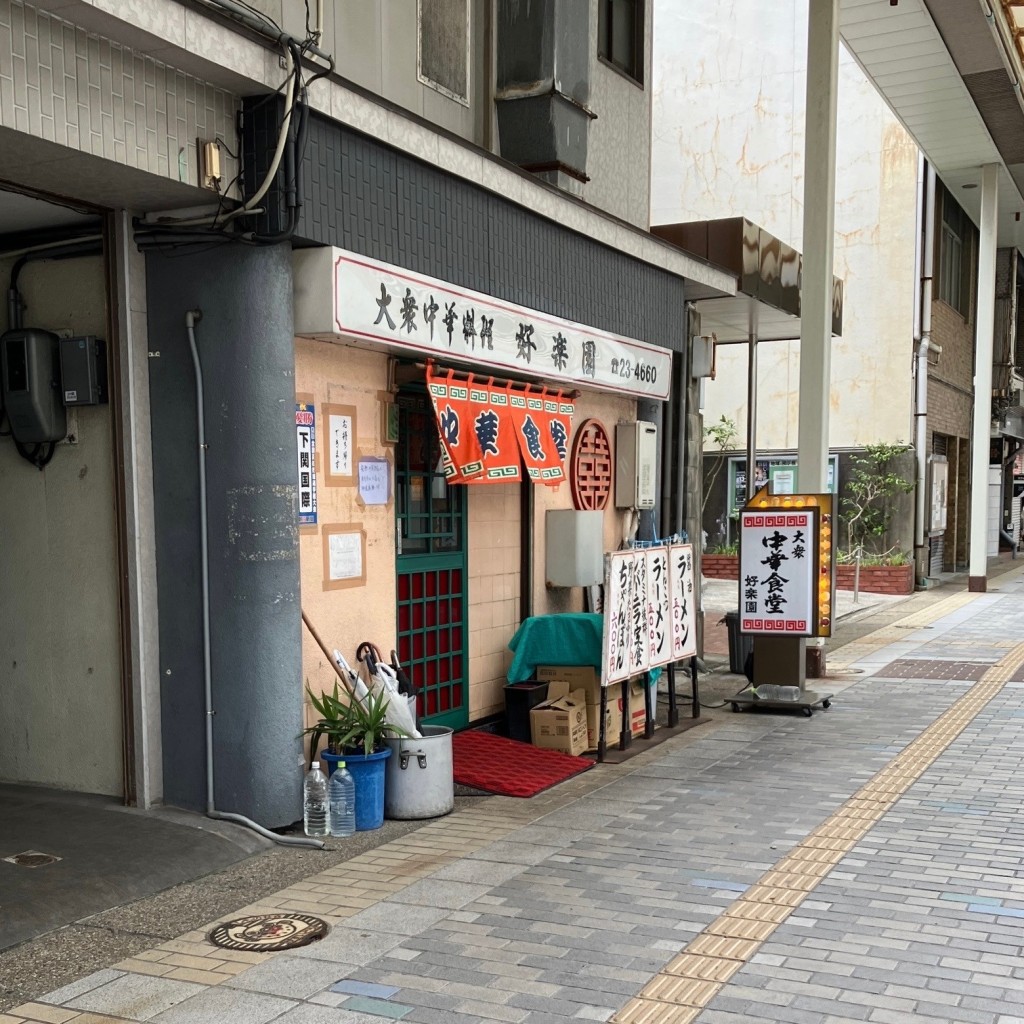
(192, 317)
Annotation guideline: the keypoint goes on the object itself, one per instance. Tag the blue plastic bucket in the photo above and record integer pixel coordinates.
(367, 771)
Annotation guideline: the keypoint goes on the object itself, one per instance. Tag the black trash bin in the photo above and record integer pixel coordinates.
(519, 699)
(741, 646)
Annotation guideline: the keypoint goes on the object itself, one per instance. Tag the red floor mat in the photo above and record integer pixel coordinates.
(495, 764)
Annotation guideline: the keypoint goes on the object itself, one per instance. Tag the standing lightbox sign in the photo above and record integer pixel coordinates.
(779, 571)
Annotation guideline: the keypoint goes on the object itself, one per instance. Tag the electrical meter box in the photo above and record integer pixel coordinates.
(573, 547)
(30, 371)
(83, 370)
(636, 463)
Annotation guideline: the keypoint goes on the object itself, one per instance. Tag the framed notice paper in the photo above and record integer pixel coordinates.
(344, 556)
(339, 456)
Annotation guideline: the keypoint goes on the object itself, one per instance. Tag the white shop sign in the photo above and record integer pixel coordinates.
(382, 304)
(618, 589)
(683, 600)
(777, 571)
(649, 610)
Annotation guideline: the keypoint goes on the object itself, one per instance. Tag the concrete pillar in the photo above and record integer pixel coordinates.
(751, 414)
(246, 347)
(982, 431)
(128, 282)
(816, 278)
(819, 231)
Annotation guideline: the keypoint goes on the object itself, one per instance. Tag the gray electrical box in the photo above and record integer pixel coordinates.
(573, 548)
(30, 370)
(83, 370)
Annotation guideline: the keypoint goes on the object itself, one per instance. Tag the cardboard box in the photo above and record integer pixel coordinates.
(637, 707)
(560, 723)
(585, 677)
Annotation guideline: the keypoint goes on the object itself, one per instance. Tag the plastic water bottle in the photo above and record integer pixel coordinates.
(343, 802)
(314, 802)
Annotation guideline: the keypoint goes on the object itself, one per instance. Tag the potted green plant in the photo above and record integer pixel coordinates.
(355, 731)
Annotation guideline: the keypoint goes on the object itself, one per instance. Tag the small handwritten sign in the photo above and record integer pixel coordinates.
(659, 620)
(639, 649)
(374, 480)
(684, 605)
(618, 587)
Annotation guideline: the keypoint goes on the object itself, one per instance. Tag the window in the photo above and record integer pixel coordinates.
(956, 257)
(442, 59)
(620, 36)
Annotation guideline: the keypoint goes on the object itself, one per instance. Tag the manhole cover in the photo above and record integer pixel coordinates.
(32, 859)
(265, 933)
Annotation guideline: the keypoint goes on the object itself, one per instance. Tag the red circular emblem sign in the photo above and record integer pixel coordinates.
(590, 468)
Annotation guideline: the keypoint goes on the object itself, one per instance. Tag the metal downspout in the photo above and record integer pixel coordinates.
(924, 340)
(191, 318)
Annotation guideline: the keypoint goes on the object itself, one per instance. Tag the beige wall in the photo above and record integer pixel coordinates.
(494, 564)
(609, 409)
(60, 675)
(345, 376)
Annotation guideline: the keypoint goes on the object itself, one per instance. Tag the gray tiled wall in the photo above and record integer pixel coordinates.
(63, 84)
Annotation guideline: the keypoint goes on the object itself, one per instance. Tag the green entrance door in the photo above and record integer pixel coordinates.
(432, 578)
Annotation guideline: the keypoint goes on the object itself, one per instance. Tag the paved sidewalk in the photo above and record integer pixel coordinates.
(721, 596)
(860, 865)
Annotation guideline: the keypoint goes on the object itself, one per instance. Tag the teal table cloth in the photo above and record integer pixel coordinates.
(570, 638)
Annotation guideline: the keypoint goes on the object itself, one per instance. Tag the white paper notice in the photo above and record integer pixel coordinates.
(346, 556)
(340, 444)
(374, 481)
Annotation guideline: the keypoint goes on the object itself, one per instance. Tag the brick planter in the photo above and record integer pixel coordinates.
(874, 579)
(877, 579)
(720, 567)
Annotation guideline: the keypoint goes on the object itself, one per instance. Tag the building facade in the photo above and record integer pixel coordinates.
(255, 214)
(728, 139)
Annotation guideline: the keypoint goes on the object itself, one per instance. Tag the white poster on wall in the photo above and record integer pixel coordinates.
(777, 577)
(683, 599)
(346, 556)
(617, 590)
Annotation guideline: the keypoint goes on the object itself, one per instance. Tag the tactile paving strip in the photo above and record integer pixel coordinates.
(688, 983)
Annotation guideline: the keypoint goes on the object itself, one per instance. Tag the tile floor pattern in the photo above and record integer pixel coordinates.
(857, 866)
